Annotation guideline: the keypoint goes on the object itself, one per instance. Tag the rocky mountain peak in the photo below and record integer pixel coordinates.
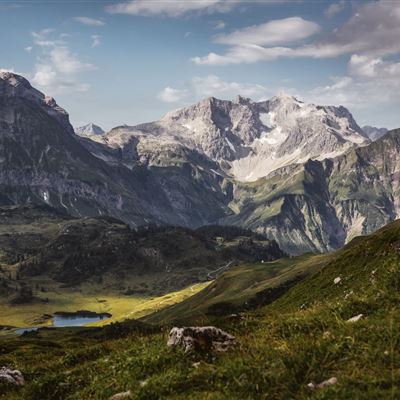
(89, 129)
(13, 85)
(242, 100)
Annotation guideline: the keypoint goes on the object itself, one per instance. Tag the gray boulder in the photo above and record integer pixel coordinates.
(14, 377)
(200, 339)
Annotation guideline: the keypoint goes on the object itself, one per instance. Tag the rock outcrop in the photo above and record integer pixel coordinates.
(200, 339)
(13, 377)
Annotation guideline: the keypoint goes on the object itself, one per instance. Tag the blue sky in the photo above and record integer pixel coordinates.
(131, 61)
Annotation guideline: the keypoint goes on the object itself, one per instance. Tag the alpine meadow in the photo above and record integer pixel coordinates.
(199, 199)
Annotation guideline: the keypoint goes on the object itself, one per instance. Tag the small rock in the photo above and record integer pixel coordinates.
(200, 339)
(122, 395)
(355, 318)
(328, 382)
(386, 352)
(14, 377)
(143, 383)
(196, 365)
(337, 280)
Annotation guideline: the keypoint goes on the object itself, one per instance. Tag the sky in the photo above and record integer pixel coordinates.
(128, 62)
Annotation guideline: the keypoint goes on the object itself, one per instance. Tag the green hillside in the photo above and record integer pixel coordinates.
(301, 337)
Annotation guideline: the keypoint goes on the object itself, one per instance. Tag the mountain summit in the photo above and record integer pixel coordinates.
(251, 139)
(89, 129)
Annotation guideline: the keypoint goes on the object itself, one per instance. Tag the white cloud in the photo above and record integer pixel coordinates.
(170, 8)
(171, 95)
(43, 33)
(273, 32)
(369, 67)
(187, 34)
(96, 40)
(67, 63)
(211, 85)
(218, 25)
(335, 8)
(89, 21)
(373, 30)
(57, 68)
(370, 81)
(28, 49)
(245, 54)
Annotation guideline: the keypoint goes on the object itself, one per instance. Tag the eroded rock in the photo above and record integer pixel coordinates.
(200, 339)
(14, 377)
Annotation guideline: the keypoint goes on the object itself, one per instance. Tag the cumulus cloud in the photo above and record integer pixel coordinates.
(28, 49)
(211, 85)
(171, 95)
(373, 30)
(89, 21)
(370, 81)
(370, 67)
(170, 8)
(273, 32)
(335, 8)
(57, 68)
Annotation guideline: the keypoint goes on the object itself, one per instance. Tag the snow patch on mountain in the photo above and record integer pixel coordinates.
(248, 139)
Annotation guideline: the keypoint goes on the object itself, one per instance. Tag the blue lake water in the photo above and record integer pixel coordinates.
(62, 321)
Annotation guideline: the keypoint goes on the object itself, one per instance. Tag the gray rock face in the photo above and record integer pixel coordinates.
(247, 139)
(41, 162)
(13, 377)
(322, 205)
(15, 86)
(200, 339)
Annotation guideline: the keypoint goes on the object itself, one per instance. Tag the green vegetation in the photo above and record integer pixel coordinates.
(51, 262)
(301, 337)
(243, 287)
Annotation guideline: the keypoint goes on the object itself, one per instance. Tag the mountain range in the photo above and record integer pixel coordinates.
(306, 175)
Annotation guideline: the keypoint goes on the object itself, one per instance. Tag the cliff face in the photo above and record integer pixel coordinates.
(321, 205)
(43, 162)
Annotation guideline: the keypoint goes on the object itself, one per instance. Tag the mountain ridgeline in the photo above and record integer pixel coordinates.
(305, 175)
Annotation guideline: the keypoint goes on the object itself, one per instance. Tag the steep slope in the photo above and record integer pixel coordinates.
(43, 162)
(308, 279)
(321, 205)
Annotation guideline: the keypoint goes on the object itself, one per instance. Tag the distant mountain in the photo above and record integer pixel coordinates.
(42, 161)
(88, 130)
(321, 205)
(305, 175)
(247, 139)
(374, 133)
